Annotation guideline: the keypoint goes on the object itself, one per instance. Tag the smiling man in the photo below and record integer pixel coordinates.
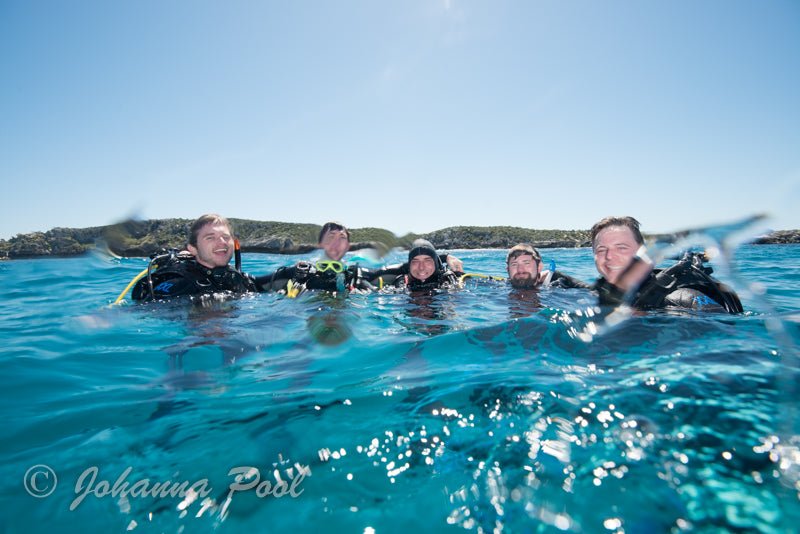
(327, 273)
(203, 268)
(524, 266)
(621, 260)
(211, 241)
(334, 240)
(425, 269)
(615, 242)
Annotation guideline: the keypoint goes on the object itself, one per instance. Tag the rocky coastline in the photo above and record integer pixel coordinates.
(143, 238)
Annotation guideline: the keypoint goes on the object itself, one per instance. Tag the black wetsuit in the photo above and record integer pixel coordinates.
(551, 279)
(438, 280)
(400, 276)
(687, 284)
(353, 277)
(559, 279)
(181, 275)
(307, 275)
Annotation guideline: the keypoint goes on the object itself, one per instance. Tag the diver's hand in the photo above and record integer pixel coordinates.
(455, 264)
(637, 272)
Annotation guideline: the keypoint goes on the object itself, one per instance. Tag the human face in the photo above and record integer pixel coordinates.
(614, 249)
(335, 243)
(422, 267)
(214, 246)
(524, 269)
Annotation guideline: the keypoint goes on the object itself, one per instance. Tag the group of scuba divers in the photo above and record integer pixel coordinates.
(617, 244)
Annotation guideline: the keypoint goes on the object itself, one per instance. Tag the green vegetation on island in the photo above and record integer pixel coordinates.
(142, 238)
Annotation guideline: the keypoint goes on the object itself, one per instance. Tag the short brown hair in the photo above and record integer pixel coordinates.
(200, 222)
(521, 250)
(628, 222)
(330, 226)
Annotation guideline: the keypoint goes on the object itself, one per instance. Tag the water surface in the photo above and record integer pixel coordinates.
(479, 409)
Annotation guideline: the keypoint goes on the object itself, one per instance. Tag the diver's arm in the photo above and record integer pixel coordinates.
(358, 277)
(455, 264)
(608, 294)
(560, 279)
(396, 269)
(275, 281)
(387, 275)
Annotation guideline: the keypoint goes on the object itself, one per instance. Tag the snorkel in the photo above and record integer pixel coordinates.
(237, 254)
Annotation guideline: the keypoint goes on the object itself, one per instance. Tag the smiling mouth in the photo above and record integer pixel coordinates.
(613, 273)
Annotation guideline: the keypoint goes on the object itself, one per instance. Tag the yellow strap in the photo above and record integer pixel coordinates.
(380, 282)
(129, 286)
(478, 275)
(292, 290)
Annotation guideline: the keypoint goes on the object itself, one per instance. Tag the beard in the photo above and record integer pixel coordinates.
(526, 282)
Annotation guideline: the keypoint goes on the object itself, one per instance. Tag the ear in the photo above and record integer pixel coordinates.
(192, 249)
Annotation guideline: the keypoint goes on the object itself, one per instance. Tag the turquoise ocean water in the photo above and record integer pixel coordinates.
(479, 409)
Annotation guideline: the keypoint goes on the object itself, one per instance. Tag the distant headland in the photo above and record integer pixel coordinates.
(142, 238)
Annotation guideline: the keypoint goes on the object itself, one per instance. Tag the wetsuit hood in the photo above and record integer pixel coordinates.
(424, 247)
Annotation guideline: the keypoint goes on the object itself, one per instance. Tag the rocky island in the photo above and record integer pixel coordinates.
(142, 238)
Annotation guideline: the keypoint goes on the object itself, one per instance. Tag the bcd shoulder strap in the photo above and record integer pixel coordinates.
(688, 273)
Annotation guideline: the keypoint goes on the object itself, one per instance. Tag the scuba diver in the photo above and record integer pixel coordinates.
(618, 248)
(524, 266)
(425, 270)
(203, 268)
(526, 277)
(329, 273)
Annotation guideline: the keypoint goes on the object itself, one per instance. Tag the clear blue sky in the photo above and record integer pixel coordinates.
(411, 115)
